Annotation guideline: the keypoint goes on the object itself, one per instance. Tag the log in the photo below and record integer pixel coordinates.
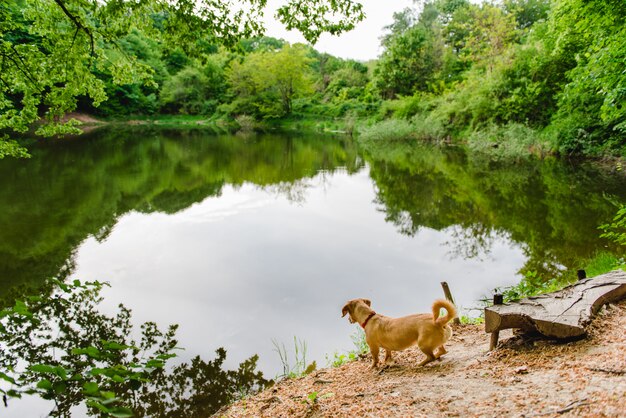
(562, 314)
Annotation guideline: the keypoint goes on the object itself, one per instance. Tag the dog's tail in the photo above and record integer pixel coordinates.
(450, 311)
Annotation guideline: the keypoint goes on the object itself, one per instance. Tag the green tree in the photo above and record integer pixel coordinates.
(491, 31)
(51, 49)
(412, 56)
(266, 83)
(195, 90)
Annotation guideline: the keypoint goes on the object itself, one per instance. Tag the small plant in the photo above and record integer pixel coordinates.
(358, 339)
(313, 397)
(469, 320)
(300, 367)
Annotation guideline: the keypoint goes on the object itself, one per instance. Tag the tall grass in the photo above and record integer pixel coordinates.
(388, 130)
(508, 142)
(299, 366)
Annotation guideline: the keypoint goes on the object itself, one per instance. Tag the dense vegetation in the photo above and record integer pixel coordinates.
(518, 74)
(512, 76)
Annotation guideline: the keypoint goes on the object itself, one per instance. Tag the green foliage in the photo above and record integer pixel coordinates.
(616, 230)
(470, 320)
(555, 67)
(194, 90)
(9, 148)
(55, 52)
(412, 56)
(603, 262)
(45, 353)
(532, 284)
(59, 347)
(266, 83)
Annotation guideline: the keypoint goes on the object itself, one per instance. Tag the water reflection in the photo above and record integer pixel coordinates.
(245, 240)
(74, 189)
(551, 208)
(62, 348)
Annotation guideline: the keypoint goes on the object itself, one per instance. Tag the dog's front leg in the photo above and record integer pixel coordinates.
(375, 350)
(440, 352)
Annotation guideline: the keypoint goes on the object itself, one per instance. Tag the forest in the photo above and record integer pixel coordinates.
(513, 76)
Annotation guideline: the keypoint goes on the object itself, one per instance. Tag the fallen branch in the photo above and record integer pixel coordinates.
(610, 371)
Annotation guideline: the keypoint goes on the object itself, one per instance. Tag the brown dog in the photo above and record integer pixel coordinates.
(428, 331)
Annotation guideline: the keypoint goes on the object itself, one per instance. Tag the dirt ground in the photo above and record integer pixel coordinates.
(522, 378)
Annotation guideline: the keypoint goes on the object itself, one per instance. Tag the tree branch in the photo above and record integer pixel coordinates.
(78, 25)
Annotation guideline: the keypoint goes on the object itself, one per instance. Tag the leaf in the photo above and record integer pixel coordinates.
(310, 368)
(91, 388)
(21, 309)
(61, 285)
(46, 368)
(7, 378)
(121, 412)
(44, 384)
(90, 351)
(112, 345)
(59, 387)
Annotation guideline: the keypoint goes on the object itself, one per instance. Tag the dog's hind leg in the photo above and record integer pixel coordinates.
(429, 356)
(388, 359)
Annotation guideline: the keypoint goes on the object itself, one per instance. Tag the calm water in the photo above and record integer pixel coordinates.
(248, 240)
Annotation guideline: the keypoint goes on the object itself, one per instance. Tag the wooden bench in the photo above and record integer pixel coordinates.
(562, 314)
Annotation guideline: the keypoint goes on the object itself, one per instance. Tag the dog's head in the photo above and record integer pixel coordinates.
(350, 307)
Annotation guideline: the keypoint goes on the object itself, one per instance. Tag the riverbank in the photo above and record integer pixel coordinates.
(521, 378)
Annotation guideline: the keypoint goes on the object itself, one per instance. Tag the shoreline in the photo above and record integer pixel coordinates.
(521, 378)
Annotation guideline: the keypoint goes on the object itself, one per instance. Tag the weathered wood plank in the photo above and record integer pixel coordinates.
(561, 314)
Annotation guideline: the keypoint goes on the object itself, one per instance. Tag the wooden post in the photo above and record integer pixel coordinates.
(446, 291)
(582, 274)
(497, 300)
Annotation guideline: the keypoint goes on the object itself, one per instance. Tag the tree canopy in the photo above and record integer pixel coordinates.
(51, 51)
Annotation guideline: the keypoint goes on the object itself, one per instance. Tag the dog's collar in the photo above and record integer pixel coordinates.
(367, 320)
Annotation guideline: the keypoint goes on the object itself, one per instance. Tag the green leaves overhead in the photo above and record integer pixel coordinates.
(51, 51)
(314, 17)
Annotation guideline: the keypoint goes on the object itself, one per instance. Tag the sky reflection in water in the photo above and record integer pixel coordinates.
(251, 266)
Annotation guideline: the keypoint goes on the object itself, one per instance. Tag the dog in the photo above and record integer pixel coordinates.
(429, 331)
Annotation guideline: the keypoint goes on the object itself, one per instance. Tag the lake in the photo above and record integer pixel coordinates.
(249, 241)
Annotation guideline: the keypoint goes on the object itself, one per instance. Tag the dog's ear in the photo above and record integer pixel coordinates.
(367, 302)
(345, 310)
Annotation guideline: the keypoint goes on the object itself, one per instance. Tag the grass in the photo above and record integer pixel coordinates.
(299, 367)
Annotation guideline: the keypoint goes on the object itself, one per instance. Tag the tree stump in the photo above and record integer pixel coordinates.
(562, 314)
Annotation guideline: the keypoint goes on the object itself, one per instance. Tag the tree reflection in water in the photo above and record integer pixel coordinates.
(61, 348)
